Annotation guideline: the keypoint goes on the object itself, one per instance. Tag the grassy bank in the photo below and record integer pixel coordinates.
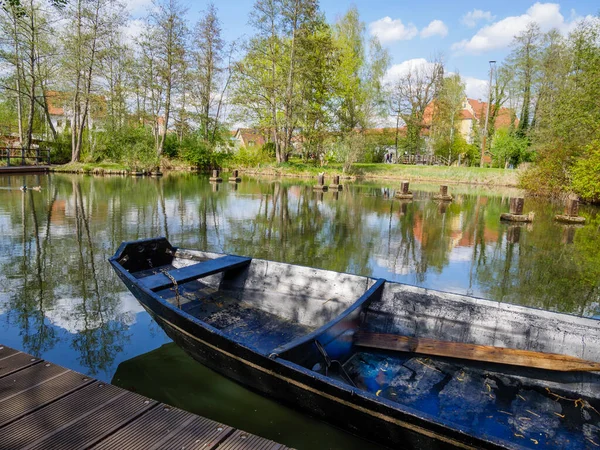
(468, 175)
(298, 169)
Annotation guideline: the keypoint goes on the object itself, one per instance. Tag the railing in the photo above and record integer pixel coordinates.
(430, 160)
(21, 156)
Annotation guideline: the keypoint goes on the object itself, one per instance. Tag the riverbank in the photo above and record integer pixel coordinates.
(433, 174)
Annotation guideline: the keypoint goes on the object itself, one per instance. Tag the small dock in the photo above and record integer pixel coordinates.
(43, 406)
(23, 169)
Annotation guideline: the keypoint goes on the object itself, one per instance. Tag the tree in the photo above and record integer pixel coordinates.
(410, 93)
(209, 58)
(524, 64)
(447, 107)
(165, 45)
(359, 75)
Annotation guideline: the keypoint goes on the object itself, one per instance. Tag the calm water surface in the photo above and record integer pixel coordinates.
(60, 300)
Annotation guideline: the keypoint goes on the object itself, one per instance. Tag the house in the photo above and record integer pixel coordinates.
(472, 117)
(248, 138)
(60, 108)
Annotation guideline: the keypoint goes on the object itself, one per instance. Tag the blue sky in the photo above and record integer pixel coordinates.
(466, 33)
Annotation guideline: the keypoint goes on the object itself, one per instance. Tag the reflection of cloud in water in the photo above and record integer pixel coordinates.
(67, 313)
(395, 266)
(459, 254)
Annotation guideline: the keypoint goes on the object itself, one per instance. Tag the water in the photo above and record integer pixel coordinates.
(60, 300)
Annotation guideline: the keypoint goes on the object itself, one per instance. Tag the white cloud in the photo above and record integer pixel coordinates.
(397, 71)
(138, 7)
(476, 88)
(389, 30)
(134, 29)
(500, 34)
(471, 18)
(435, 27)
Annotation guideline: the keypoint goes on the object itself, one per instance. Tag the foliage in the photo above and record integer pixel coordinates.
(348, 149)
(253, 157)
(199, 153)
(586, 174)
(509, 149)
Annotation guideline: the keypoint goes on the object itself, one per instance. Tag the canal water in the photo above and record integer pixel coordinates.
(60, 300)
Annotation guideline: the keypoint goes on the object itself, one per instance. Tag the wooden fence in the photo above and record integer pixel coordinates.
(23, 157)
(429, 160)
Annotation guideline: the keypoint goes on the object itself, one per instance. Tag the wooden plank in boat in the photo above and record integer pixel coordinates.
(474, 352)
(194, 271)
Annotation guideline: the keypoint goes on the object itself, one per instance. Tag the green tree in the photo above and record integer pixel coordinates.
(447, 108)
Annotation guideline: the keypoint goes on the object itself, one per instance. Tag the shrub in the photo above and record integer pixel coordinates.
(586, 174)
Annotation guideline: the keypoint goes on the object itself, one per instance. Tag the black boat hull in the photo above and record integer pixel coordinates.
(304, 390)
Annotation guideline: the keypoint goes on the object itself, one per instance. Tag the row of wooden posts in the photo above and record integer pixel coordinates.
(216, 178)
(515, 213)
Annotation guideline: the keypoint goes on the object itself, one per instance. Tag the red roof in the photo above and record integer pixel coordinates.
(503, 119)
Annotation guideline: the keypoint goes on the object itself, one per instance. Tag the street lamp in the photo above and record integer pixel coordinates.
(487, 113)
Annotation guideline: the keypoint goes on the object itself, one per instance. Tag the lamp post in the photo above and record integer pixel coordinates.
(487, 114)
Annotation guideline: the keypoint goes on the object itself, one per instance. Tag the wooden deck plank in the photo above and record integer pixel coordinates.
(5, 352)
(32, 388)
(165, 427)
(240, 440)
(45, 406)
(98, 424)
(16, 362)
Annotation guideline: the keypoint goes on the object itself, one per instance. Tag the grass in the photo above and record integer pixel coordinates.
(469, 175)
(101, 167)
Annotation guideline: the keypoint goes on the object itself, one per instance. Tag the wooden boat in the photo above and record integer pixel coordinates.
(342, 347)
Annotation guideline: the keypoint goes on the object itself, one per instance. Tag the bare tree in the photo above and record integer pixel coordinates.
(410, 94)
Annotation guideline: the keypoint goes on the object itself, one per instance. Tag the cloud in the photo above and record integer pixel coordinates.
(476, 88)
(138, 7)
(134, 29)
(471, 18)
(501, 33)
(399, 70)
(389, 30)
(435, 27)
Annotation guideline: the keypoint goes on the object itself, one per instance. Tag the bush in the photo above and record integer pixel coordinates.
(586, 174)
(60, 150)
(252, 157)
(198, 153)
(508, 149)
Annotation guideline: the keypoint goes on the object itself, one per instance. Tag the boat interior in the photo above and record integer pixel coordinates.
(309, 317)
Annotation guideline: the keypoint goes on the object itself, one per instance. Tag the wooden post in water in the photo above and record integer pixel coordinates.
(572, 208)
(404, 191)
(443, 195)
(516, 205)
(516, 211)
(336, 186)
(571, 212)
(234, 178)
(320, 186)
(215, 176)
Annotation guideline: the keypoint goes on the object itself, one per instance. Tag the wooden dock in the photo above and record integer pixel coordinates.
(23, 169)
(44, 406)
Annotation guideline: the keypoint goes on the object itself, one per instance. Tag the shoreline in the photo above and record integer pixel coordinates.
(385, 172)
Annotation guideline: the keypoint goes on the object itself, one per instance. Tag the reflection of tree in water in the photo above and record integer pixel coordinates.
(33, 295)
(100, 338)
(54, 279)
(541, 271)
(299, 229)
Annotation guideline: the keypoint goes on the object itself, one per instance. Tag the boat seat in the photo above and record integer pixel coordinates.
(160, 280)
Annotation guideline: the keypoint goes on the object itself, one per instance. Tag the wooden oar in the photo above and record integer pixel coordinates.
(484, 353)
